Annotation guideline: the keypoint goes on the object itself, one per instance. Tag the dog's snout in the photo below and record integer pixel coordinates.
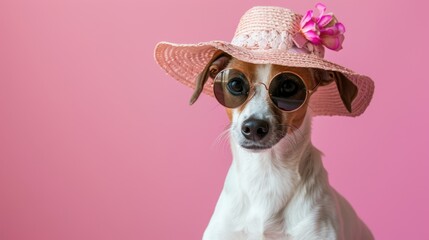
(255, 129)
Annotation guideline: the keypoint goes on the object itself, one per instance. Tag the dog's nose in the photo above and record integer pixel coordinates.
(254, 129)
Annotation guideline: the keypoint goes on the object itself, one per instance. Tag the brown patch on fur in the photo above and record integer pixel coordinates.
(213, 67)
(249, 71)
(229, 113)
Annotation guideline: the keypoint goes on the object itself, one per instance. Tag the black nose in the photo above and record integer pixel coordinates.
(254, 129)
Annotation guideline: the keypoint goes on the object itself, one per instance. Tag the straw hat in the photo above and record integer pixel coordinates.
(269, 35)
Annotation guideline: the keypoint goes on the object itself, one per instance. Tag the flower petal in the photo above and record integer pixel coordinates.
(299, 40)
(308, 16)
(324, 20)
(333, 42)
(313, 36)
(329, 31)
(332, 22)
(340, 27)
(322, 8)
(310, 25)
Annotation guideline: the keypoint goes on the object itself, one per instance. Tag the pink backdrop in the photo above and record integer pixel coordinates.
(96, 142)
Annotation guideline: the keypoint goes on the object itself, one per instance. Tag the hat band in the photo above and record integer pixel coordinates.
(275, 40)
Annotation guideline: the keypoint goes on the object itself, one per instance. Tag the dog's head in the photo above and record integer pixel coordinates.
(258, 122)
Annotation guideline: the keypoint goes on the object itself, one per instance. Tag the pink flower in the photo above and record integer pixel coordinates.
(309, 28)
(331, 31)
(325, 30)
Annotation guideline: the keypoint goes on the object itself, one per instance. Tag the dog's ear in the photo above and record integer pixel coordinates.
(218, 62)
(348, 91)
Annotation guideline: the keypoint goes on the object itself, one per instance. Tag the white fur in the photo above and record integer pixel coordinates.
(282, 192)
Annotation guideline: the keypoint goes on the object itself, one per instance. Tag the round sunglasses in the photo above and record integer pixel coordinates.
(287, 90)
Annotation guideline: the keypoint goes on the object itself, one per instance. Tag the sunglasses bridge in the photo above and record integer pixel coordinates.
(253, 87)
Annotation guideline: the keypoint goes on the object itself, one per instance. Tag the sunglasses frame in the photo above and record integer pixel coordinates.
(309, 92)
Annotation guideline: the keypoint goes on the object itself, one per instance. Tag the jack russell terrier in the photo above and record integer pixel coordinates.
(271, 84)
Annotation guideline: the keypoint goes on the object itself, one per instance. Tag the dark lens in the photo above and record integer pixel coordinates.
(288, 91)
(231, 88)
(236, 86)
(288, 88)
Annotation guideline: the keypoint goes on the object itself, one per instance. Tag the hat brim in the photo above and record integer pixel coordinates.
(184, 62)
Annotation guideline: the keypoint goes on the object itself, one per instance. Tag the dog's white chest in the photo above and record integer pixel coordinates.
(254, 199)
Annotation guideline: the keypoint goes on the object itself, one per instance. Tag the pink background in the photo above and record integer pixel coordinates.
(96, 142)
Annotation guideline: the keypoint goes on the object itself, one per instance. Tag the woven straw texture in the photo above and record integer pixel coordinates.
(185, 61)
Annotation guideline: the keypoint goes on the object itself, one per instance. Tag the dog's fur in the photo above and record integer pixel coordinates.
(277, 188)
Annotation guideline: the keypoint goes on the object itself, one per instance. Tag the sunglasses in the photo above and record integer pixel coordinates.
(287, 90)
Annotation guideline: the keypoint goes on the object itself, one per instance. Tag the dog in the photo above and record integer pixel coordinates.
(273, 78)
(277, 187)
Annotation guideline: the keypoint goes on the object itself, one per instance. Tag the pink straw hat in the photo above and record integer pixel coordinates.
(268, 35)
